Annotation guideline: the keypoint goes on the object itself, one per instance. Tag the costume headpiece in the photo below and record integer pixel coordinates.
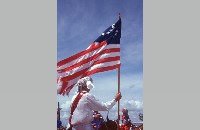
(85, 82)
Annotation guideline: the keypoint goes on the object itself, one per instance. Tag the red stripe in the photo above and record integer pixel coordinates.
(89, 59)
(66, 90)
(81, 53)
(64, 85)
(92, 45)
(58, 79)
(109, 59)
(70, 77)
(69, 89)
(101, 70)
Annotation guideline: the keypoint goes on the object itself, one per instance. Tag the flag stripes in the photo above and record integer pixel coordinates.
(81, 54)
(107, 52)
(93, 51)
(73, 82)
(97, 59)
(102, 55)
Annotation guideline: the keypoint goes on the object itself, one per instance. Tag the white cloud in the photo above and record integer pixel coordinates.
(65, 106)
(106, 88)
(65, 116)
(133, 105)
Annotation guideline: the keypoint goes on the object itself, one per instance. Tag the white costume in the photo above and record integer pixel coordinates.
(83, 114)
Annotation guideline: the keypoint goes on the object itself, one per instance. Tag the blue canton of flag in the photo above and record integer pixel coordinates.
(112, 34)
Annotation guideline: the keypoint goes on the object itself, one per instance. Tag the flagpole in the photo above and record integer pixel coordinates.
(119, 90)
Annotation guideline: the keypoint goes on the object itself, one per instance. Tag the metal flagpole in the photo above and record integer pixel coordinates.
(119, 90)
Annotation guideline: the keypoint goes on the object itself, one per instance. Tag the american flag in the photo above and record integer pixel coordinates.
(102, 55)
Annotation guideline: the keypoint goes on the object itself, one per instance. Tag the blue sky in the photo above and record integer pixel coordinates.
(80, 22)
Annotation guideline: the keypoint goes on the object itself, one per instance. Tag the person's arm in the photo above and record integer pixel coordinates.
(95, 104)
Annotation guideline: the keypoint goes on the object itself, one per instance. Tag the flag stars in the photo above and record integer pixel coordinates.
(108, 33)
(113, 26)
(116, 32)
(110, 30)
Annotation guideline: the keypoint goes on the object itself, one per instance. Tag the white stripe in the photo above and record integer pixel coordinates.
(113, 45)
(107, 55)
(106, 64)
(59, 86)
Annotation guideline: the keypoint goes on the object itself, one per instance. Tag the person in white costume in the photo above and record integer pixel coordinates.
(83, 114)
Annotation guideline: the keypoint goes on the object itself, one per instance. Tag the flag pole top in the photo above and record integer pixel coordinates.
(119, 16)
